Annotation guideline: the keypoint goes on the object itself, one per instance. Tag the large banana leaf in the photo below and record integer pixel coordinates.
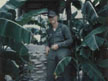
(96, 1)
(61, 66)
(27, 16)
(12, 4)
(89, 11)
(16, 36)
(93, 41)
(91, 70)
(18, 47)
(103, 63)
(13, 30)
(85, 53)
(104, 11)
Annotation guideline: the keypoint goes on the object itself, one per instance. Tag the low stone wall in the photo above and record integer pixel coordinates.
(39, 61)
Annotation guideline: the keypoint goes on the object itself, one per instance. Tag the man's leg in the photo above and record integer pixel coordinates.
(67, 75)
(50, 70)
(51, 65)
(70, 72)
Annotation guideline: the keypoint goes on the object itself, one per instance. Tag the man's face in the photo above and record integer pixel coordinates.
(52, 20)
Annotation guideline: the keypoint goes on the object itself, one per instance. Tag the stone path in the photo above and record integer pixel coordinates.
(38, 60)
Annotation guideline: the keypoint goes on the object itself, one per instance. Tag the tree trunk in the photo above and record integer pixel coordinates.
(68, 12)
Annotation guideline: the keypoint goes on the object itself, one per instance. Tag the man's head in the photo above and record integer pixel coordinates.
(52, 16)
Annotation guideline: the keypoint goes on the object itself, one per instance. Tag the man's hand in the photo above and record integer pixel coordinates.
(47, 50)
(54, 47)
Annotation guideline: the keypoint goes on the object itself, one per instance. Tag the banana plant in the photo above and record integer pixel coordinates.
(89, 38)
(12, 35)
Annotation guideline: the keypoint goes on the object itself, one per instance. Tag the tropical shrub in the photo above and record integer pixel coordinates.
(90, 41)
(13, 37)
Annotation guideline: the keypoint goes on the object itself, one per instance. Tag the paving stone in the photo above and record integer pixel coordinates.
(43, 58)
(38, 66)
(44, 68)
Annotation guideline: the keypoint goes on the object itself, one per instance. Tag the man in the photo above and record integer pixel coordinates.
(58, 42)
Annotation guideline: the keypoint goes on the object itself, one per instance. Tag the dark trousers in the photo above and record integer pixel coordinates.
(53, 58)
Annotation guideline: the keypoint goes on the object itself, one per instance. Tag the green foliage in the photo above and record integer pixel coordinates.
(96, 1)
(14, 31)
(91, 70)
(13, 35)
(16, 35)
(103, 63)
(93, 41)
(61, 66)
(12, 4)
(89, 12)
(87, 32)
(89, 37)
(104, 11)
(27, 16)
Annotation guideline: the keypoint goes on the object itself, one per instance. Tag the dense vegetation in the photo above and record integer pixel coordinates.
(89, 49)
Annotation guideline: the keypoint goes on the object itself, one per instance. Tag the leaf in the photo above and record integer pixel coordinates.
(13, 30)
(89, 11)
(103, 63)
(97, 31)
(104, 11)
(18, 47)
(12, 4)
(61, 66)
(91, 70)
(93, 41)
(96, 1)
(27, 16)
(102, 20)
(16, 35)
(85, 53)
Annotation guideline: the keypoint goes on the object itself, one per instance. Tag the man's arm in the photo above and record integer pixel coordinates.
(68, 37)
(47, 43)
(47, 48)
